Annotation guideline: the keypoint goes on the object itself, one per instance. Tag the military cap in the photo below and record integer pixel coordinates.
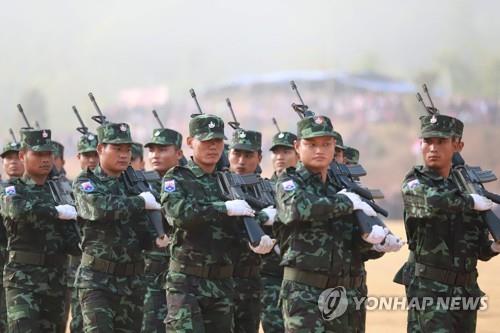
(137, 150)
(114, 133)
(10, 147)
(206, 127)
(246, 140)
(58, 149)
(351, 155)
(283, 139)
(87, 143)
(339, 142)
(37, 140)
(311, 127)
(164, 137)
(440, 126)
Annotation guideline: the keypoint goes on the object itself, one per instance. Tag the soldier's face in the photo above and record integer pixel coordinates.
(316, 153)
(438, 152)
(36, 164)
(58, 163)
(162, 158)
(339, 155)
(283, 157)
(12, 164)
(114, 158)
(208, 152)
(243, 162)
(137, 164)
(88, 160)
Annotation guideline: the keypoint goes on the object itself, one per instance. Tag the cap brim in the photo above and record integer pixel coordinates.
(2, 155)
(147, 145)
(209, 136)
(317, 134)
(41, 148)
(118, 142)
(435, 135)
(286, 145)
(241, 146)
(87, 150)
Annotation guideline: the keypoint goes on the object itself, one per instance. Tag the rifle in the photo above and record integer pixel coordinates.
(21, 111)
(193, 95)
(135, 181)
(347, 176)
(12, 135)
(470, 179)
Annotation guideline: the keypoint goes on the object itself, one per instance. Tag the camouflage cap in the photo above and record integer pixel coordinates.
(114, 133)
(87, 143)
(10, 147)
(440, 126)
(311, 127)
(165, 137)
(36, 140)
(206, 127)
(246, 140)
(137, 150)
(58, 149)
(339, 141)
(283, 139)
(351, 155)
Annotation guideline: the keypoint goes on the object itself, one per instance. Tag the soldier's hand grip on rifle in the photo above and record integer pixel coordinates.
(66, 212)
(239, 208)
(150, 201)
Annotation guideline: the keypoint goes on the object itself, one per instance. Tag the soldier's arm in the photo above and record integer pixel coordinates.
(183, 210)
(296, 204)
(95, 204)
(485, 251)
(21, 208)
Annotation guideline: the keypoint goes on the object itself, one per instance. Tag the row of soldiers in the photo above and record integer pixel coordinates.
(204, 275)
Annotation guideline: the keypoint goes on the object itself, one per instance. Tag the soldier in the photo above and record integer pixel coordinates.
(87, 151)
(351, 155)
(321, 246)
(38, 240)
(164, 153)
(446, 234)
(137, 160)
(245, 154)
(199, 280)
(283, 156)
(12, 165)
(115, 231)
(58, 155)
(339, 156)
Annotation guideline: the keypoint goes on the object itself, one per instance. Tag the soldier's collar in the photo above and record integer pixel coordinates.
(26, 179)
(430, 173)
(195, 169)
(304, 173)
(99, 173)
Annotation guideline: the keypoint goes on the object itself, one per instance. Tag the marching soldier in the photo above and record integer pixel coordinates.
(115, 231)
(199, 281)
(351, 155)
(446, 234)
(164, 153)
(87, 151)
(39, 239)
(339, 155)
(137, 160)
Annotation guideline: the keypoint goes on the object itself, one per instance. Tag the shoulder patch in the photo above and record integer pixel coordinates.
(169, 185)
(87, 187)
(10, 191)
(413, 184)
(289, 185)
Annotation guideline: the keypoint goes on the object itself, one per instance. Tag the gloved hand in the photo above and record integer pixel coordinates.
(391, 243)
(271, 212)
(358, 204)
(66, 212)
(481, 203)
(265, 246)
(150, 201)
(162, 241)
(239, 208)
(495, 247)
(376, 236)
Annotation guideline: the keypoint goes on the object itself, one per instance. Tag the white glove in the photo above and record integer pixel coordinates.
(265, 246)
(150, 201)
(277, 249)
(495, 247)
(376, 236)
(392, 243)
(481, 203)
(358, 204)
(239, 208)
(66, 212)
(271, 212)
(162, 241)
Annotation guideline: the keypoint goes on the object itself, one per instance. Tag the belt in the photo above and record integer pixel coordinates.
(216, 272)
(322, 281)
(37, 259)
(445, 276)
(111, 267)
(155, 266)
(246, 272)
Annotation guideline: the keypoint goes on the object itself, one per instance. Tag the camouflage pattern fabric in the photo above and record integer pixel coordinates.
(87, 143)
(10, 147)
(3, 257)
(114, 133)
(37, 140)
(440, 126)
(164, 137)
(283, 139)
(444, 232)
(206, 127)
(203, 235)
(310, 127)
(246, 140)
(137, 150)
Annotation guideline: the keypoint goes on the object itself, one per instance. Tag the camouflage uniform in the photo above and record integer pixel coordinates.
(157, 260)
(446, 238)
(351, 155)
(137, 151)
(115, 231)
(321, 246)
(199, 281)
(35, 277)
